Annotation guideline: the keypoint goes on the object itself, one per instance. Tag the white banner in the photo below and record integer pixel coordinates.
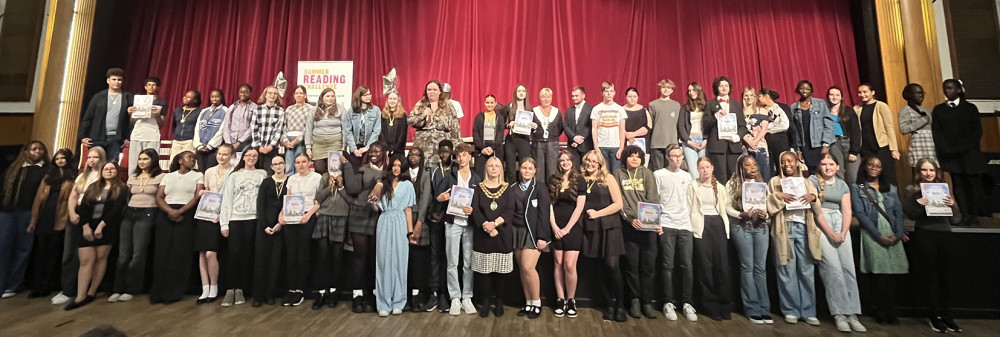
(319, 75)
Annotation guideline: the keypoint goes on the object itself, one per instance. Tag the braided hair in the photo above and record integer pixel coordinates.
(715, 183)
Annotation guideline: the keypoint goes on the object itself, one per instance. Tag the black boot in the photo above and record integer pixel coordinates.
(357, 305)
(318, 304)
(484, 308)
(498, 307)
(330, 300)
(408, 306)
(633, 309)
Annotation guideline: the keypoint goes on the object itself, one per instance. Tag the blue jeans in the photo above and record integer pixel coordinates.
(15, 247)
(133, 249)
(763, 165)
(691, 156)
(837, 270)
(290, 155)
(611, 158)
(112, 147)
(751, 249)
(796, 281)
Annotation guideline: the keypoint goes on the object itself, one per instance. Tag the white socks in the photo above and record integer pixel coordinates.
(213, 290)
(415, 292)
(204, 292)
(357, 293)
(537, 303)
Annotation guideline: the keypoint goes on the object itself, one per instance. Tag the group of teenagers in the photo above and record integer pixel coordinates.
(411, 252)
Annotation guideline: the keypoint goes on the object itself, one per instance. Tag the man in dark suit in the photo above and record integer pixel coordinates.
(723, 152)
(105, 123)
(577, 125)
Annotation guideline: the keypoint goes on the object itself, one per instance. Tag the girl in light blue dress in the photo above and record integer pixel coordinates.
(392, 234)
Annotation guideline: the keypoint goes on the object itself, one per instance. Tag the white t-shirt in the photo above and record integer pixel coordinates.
(608, 117)
(458, 108)
(179, 188)
(672, 187)
(304, 186)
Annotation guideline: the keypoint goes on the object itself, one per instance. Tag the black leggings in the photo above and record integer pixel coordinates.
(490, 286)
(327, 266)
(362, 273)
(612, 281)
(933, 269)
(515, 149)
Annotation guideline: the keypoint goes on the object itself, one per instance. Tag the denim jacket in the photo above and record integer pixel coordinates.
(372, 122)
(820, 125)
(867, 214)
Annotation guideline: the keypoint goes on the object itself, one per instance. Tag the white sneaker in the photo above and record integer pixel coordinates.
(60, 298)
(812, 321)
(456, 307)
(468, 307)
(396, 312)
(689, 312)
(841, 322)
(8, 294)
(669, 311)
(125, 297)
(113, 298)
(855, 324)
(790, 319)
(383, 313)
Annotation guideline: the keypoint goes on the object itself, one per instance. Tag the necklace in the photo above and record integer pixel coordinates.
(591, 184)
(219, 174)
(115, 97)
(185, 114)
(278, 187)
(494, 196)
(142, 182)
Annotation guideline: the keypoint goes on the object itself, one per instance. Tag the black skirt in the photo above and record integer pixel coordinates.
(206, 236)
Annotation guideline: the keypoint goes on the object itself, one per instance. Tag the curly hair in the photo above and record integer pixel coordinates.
(573, 179)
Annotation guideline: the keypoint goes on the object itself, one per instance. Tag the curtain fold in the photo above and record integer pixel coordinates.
(487, 47)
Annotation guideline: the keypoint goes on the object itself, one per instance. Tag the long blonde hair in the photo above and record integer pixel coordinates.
(602, 172)
(81, 180)
(393, 112)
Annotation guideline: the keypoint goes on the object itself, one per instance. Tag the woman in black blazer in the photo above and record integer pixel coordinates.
(957, 130)
(486, 148)
(531, 232)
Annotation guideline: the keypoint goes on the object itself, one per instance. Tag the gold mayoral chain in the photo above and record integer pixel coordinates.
(494, 196)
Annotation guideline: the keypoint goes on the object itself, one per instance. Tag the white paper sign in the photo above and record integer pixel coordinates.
(795, 186)
(754, 196)
(143, 106)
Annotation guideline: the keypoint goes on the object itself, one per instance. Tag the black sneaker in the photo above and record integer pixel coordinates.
(534, 312)
(608, 314)
(571, 308)
(620, 314)
(484, 308)
(497, 307)
(524, 311)
(369, 303)
(408, 306)
(432, 302)
(937, 324)
(560, 308)
(330, 299)
(356, 306)
(288, 299)
(950, 323)
(297, 298)
(648, 311)
(318, 304)
(443, 303)
(418, 303)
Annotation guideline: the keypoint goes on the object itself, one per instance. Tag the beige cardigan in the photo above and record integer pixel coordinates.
(722, 203)
(779, 226)
(884, 124)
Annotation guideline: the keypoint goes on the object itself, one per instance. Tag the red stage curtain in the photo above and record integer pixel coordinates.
(484, 47)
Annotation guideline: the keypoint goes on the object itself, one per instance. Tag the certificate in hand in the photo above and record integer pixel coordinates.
(727, 127)
(143, 106)
(795, 186)
(209, 207)
(461, 197)
(754, 196)
(294, 208)
(333, 163)
(649, 216)
(935, 193)
(522, 122)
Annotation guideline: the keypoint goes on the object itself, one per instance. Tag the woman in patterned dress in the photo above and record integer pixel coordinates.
(435, 120)
(492, 245)
(915, 120)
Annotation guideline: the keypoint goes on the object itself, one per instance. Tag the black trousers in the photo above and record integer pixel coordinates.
(207, 159)
(420, 262)
(47, 258)
(712, 268)
(885, 293)
(327, 267)
(438, 259)
(70, 264)
(297, 240)
(640, 263)
(516, 148)
(657, 159)
(363, 262)
(933, 268)
(490, 286)
(579, 151)
(968, 195)
(239, 272)
(725, 164)
(172, 257)
(267, 263)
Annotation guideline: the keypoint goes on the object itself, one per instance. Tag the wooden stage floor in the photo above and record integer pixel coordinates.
(20, 316)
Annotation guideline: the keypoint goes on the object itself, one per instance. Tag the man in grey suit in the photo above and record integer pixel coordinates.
(577, 125)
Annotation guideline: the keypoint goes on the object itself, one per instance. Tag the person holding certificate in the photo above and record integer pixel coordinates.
(722, 130)
(796, 239)
(334, 196)
(268, 243)
(207, 236)
(458, 235)
(638, 186)
(517, 145)
(146, 123)
(837, 266)
(177, 199)
(750, 236)
(361, 226)
(932, 239)
(297, 235)
(708, 201)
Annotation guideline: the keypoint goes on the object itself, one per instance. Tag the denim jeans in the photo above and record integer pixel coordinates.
(676, 247)
(458, 240)
(751, 250)
(763, 165)
(133, 249)
(848, 169)
(290, 155)
(611, 158)
(837, 270)
(796, 281)
(691, 156)
(15, 247)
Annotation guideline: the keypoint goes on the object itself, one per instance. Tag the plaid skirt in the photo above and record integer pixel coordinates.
(921, 146)
(486, 263)
(331, 227)
(363, 218)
